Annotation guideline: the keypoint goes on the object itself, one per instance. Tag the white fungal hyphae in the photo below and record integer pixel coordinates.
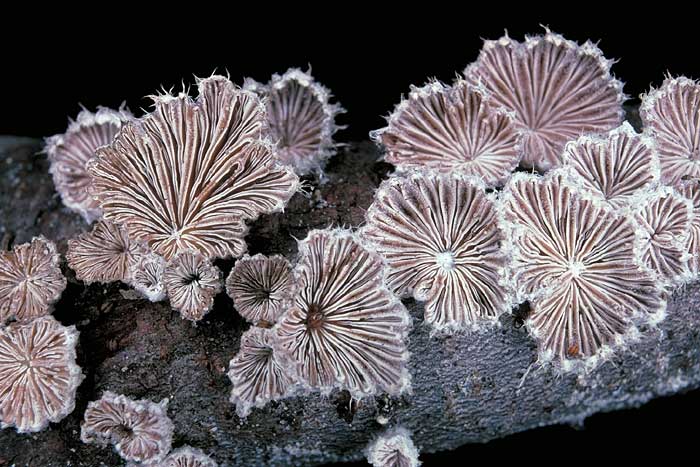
(106, 254)
(190, 174)
(345, 329)
(147, 277)
(301, 119)
(30, 280)
(259, 373)
(394, 448)
(671, 116)
(665, 219)
(575, 260)
(440, 237)
(187, 457)
(191, 282)
(260, 287)
(556, 88)
(139, 430)
(38, 374)
(69, 153)
(690, 189)
(452, 128)
(619, 167)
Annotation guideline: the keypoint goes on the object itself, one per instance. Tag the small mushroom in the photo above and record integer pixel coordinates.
(147, 277)
(38, 374)
(556, 88)
(191, 282)
(69, 153)
(187, 457)
(259, 373)
(139, 430)
(30, 280)
(393, 448)
(106, 254)
(452, 128)
(260, 287)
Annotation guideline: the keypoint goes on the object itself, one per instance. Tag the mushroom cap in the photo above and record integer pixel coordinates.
(665, 218)
(619, 167)
(690, 189)
(30, 280)
(188, 175)
(105, 254)
(393, 448)
(452, 128)
(38, 374)
(259, 373)
(440, 237)
(187, 457)
(575, 260)
(671, 117)
(556, 88)
(261, 287)
(147, 277)
(300, 118)
(191, 281)
(139, 430)
(69, 153)
(345, 329)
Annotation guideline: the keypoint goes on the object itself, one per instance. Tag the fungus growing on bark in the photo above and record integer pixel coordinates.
(671, 115)
(617, 168)
(106, 254)
(665, 219)
(30, 280)
(69, 153)
(440, 237)
(345, 329)
(147, 277)
(261, 287)
(187, 457)
(139, 430)
(300, 118)
(191, 282)
(394, 448)
(575, 261)
(190, 174)
(38, 374)
(452, 128)
(259, 373)
(556, 88)
(690, 189)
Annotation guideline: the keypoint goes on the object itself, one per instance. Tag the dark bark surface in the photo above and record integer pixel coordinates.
(466, 388)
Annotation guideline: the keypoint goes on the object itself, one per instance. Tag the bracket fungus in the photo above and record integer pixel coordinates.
(440, 237)
(30, 280)
(619, 167)
(575, 260)
(671, 115)
(345, 328)
(393, 448)
(191, 282)
(556, 88)
(665, 219)
(452, 128)
(301, 119)
(190, 174)
(690, 189)
(38, 374)
(146, 277)
(139, 430)
(106, 254)
(69, 153)
(259, 373)
(260, 287)
(187, 457)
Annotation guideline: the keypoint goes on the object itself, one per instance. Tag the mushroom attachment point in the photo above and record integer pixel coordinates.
(452, 128)
(139, 430)
(191, 282)
(556, 88)
(30, 280)
(440, 237)
(38, 374)
(345, 329)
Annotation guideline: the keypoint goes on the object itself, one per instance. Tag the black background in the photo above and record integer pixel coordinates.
(51, 65)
